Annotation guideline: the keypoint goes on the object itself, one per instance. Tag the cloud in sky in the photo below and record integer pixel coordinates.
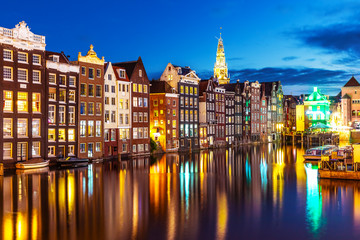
(294, 80)
(289, 58)
(340, 39)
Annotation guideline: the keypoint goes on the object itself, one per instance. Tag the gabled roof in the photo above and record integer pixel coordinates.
(352, 82)
(184, 70)
(128, 66)
(116, 68)
(346, 96)
(157, 86)
(203, 85)
(230, 87)
(62, 57)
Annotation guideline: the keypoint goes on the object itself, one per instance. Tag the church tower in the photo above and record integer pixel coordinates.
(220, 68)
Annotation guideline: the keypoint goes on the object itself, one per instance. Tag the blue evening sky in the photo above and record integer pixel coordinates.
(303, 43)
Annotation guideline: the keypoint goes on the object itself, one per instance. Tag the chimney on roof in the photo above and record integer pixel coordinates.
(188, 67)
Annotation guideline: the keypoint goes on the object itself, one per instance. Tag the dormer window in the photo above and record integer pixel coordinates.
(54, 58)
(122, 73)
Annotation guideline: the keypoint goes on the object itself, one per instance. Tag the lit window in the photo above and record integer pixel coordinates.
(62, 80)
(51, 134)
(83, 89)
(7, 128)
(52, 94)
(22, 128)
(91, 73)
(22, 57)
(51, 151)
(91, 108)
(135, 135)
(22, 75)
(82, 128)
(83, 108)
(71, 95)
(186, 90)
(36, 106)
(71, 134)
(98, 129)
(134, 87)
(122, 73)
(62, 134)
(145, 117)
(82, 148)
(140, 73)
(140, 90)
(52, 78)
(54, 58)
(8, 55)
(52, 116)
(195, 90)
(174, 123)
(36, 76)
(8, 101)
(36, 59)
(98, 91)
(181, 89)
(35, 149)
(98, 147)
(145, 88)
(7, 151)
(72, 82)
(156, 113)
(91, 90)
(135, 101)
(98, 108)
(71, 115)
(62, 95)
(8, 73)
(22, 103)
(90, 128)
(62, 110)
(71, 150)
(36, 128)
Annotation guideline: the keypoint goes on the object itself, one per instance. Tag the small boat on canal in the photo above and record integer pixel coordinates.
(314, 154)
(33, 163)
(71, 162)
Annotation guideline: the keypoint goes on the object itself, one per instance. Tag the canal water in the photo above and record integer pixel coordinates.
(252, 192)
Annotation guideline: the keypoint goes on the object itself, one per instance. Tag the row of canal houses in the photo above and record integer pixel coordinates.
(89, 108)
(57, 108)
(189, 113)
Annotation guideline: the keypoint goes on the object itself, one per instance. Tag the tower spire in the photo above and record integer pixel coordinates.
(220, 68)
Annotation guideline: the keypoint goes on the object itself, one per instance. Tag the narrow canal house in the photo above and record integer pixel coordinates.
(274, 94)
(263, 114)
(186, 83)
(111, 107)
(140, 139)
(207, 113)
(230, 113)
(23, 116)
(246, 106)
(91, 104)
(350, 103)
(62, 106)
(236, 89)
(164, 115)
(220, 139)
(289, 113)
(123, 95)
(255, 111)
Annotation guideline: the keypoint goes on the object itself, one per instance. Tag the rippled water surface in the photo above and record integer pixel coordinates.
(253, 192)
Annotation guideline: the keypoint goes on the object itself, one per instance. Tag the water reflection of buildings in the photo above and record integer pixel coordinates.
(187, 195)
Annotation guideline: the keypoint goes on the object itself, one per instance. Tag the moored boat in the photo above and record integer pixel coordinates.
(33, 163)
(314, 154)
(72, 162)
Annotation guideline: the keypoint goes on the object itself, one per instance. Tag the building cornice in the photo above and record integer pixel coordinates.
(21, 37)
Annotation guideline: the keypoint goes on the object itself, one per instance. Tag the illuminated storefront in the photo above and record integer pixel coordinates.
(317, 108)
